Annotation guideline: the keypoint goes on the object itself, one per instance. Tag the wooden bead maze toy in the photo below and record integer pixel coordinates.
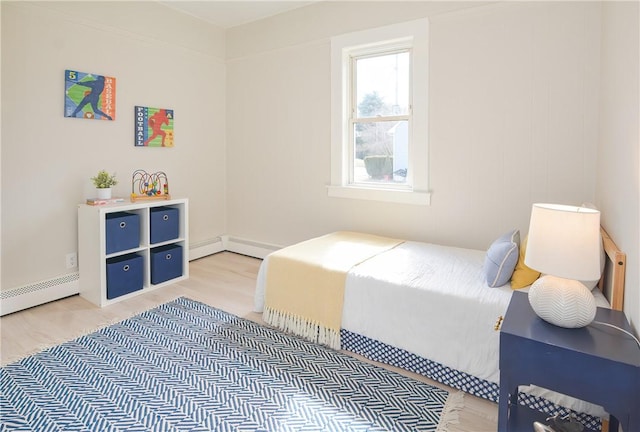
(145, 186)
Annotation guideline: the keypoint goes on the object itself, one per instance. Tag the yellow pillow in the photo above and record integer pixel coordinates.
(522, 275)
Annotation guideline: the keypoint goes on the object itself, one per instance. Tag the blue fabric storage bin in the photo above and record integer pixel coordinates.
(122, 231)
(124, 275)
(166, 263)
(164, 224)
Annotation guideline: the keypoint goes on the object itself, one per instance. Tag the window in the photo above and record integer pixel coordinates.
(379, 115)
(379, 118)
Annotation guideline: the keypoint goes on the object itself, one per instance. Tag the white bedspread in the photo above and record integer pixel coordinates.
(397, 296)
(433, 301)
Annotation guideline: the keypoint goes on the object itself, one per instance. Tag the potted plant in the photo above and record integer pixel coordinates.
(103, 181)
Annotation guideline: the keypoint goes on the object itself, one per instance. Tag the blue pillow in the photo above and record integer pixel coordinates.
(501, 259)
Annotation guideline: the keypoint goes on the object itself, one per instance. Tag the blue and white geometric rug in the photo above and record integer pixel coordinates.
(185, 366)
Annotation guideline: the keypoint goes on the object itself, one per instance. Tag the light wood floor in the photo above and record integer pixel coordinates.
(225, 280)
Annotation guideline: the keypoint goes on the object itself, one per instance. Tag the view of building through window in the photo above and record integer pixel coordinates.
(381, 110)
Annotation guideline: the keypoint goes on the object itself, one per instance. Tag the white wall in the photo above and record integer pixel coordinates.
(159, 59)
(515, 114)
(619, 148)
(513, 120)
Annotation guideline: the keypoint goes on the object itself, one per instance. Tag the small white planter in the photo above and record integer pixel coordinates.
(104, 193)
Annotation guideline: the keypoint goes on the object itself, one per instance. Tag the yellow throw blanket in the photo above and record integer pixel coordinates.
(305, 282)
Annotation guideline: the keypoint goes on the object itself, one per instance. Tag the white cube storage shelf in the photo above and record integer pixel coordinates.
(164, 262)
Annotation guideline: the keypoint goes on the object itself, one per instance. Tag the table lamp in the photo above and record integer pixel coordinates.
(564, 245)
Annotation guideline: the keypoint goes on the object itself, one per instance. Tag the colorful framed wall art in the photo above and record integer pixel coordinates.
(153, 127)
(89, 96)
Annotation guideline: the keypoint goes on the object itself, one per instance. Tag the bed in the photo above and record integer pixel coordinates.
(423, 307)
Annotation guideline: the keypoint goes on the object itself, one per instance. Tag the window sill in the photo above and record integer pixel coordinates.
(372, 194)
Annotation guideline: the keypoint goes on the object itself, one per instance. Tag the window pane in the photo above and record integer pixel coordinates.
(382, 85)
(381, 152)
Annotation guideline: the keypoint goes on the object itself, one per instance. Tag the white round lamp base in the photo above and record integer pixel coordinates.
(563, 302)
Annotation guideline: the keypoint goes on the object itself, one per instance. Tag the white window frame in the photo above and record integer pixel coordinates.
(412, 35)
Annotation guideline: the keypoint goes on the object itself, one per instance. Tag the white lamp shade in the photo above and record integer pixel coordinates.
(564, 241)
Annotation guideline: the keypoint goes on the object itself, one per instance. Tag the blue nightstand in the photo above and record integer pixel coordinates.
(597, 364)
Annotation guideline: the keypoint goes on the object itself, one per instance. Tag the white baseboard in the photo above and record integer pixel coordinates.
(250, 248)
(28, 296)
(206, 248)
(231, 244)
(39, 293)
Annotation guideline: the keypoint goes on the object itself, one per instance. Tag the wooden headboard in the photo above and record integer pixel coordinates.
(612, 281)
